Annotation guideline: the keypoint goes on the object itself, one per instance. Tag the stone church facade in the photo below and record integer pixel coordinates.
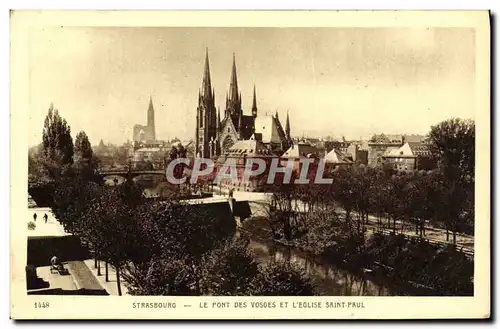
(215, 136)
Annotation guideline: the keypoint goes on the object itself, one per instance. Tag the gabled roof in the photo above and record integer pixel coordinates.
(268, 128)
(409, 150)
(402, 152)
(300, 150)
(335, 156)
(420, 149)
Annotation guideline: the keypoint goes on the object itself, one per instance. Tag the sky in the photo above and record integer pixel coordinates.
(351, 82)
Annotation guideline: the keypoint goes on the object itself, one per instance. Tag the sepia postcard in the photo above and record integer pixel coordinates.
(250, 165)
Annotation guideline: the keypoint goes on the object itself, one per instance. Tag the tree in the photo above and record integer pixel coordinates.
(84, 158)
(280, 278)
(452, 145)
(228, 270)
(110, 225)
(57, 143)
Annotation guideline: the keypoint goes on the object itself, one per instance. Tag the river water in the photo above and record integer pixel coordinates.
(329, 279)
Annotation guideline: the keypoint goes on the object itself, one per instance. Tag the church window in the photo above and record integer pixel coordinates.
(228, 130)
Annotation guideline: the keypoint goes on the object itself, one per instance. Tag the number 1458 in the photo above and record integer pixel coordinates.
(42, 305)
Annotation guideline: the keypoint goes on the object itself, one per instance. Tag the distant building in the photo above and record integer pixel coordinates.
(381, 145)
(147, 132)
(410, 157)
(357, 153)
(301, 150)
(298, 151)
(335, 158)
(240, 152)
(414, 138)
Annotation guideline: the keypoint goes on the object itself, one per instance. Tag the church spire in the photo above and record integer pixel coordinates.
(254, 103)
(151, 118)
(206, 88)
(287, 128)
(218, 118)
(233, 87)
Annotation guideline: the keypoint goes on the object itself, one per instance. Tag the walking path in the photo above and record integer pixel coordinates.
(110, 286)
(84, 279)
(42, 228)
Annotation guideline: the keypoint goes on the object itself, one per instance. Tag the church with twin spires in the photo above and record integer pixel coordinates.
(215, 136)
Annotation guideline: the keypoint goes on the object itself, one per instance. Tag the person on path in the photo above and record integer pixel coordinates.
(34, 216)
(45, 217)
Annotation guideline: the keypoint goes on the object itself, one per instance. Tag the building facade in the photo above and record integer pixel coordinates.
(409, 157)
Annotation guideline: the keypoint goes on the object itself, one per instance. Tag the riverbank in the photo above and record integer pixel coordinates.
(388, 260)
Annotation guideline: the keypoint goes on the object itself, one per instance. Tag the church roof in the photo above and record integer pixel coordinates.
(248, 148)
(270, 129)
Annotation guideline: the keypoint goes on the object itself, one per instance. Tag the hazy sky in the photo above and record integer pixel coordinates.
(333, 81)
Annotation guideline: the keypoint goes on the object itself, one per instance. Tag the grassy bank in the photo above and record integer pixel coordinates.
(441, 269)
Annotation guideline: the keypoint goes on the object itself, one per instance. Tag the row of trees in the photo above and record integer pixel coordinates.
(442, 198)
(167, 248)
(333, 220)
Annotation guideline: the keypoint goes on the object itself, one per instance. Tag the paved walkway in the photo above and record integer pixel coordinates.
(110, 286)
(84, 279)
(51, 228)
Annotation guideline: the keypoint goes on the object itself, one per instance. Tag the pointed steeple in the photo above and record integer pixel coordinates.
(233, 87)
(254, 103)
(151, 119)
(276, 115)
(150, 102)
(206, 88)
(287, 128)
(218, 118)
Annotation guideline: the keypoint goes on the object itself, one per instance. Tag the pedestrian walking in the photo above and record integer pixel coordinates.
(45, 217)
(34, 216)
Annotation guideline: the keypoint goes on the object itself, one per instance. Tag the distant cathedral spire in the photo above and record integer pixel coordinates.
(206, 87)
(254, 103)
(233, 87)
(151, 118)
